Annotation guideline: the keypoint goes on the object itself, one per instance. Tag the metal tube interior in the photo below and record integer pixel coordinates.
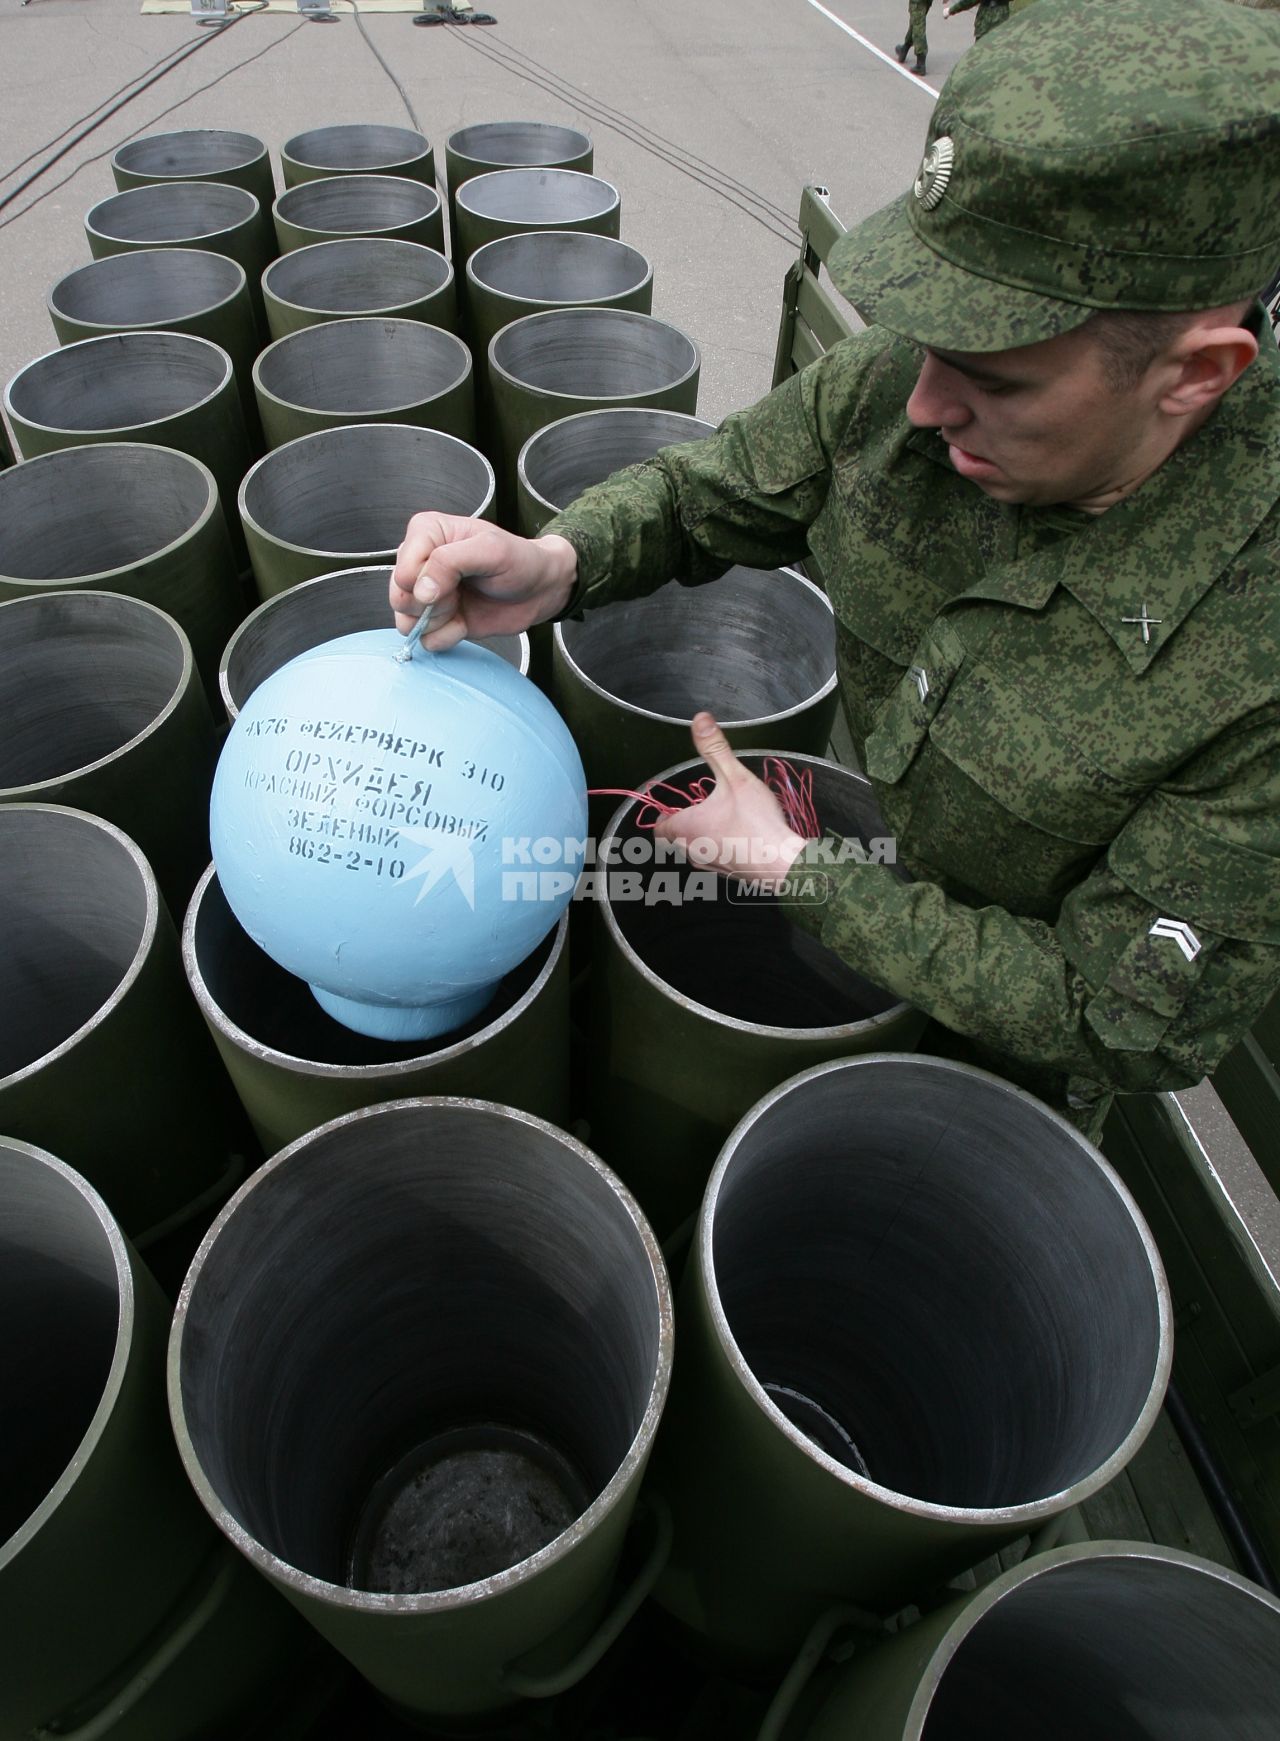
(60, 1303)
(593, 353)
(446, 1269)
(937, 1279)
(347, 203)
(743, 958)
(357, 275)
(187, 211)
(567, 457)
(131, 501)
(317, 611)
(755, 643)
(353, 490)
(81, 675)
(191, 151)
(120, 381)
(245, 989)
(1133, 1648)
(559, 266)
(512, 144)
(146, 287)
(359, 145)
(78, 909)
(543, 197)
(363, 366)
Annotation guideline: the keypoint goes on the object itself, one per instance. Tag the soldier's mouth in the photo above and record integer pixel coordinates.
(970, 465)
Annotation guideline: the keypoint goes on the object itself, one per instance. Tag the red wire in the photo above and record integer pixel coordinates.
(793, 791)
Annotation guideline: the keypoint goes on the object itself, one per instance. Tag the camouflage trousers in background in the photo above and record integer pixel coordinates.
(990, 13)
(915, 38)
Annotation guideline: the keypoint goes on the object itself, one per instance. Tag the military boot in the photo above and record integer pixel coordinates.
(901, 51)
(918, 68)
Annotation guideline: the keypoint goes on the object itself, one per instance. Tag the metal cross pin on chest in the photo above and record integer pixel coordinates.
(1148, 623)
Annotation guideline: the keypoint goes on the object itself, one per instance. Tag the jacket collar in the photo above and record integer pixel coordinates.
(1160, 550)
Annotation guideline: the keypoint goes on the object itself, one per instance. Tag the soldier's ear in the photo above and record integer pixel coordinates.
(1206, 361)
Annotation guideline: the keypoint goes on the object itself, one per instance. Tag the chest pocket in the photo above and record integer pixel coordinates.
(894, 551)
(1033, 769)
(906, 718)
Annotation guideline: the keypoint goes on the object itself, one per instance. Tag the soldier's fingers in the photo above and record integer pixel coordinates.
(713, 746)
(441, 636)
(402, 602)
(421, 536)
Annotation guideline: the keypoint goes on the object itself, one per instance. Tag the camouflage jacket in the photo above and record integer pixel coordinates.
(1092, 818)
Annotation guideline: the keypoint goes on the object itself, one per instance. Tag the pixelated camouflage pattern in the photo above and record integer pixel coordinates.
(1103, 159)
(1056, 786)
(990, 13)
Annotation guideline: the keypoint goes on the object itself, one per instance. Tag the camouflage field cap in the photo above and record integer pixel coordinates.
(1088, 154)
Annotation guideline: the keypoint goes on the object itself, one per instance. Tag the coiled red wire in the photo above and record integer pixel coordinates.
(793, 790)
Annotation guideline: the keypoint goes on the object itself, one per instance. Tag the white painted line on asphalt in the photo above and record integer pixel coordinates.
(879, 53)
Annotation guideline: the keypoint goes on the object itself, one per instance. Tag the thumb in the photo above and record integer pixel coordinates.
(713, 746)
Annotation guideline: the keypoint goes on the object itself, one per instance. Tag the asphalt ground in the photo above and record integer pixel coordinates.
(709, 116)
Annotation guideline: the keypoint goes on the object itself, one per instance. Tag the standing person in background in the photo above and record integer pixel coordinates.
(916, 39)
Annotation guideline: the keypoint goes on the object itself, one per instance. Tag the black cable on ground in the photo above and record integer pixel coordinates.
(181, 103)
(512, 60)
(162, 72)
(89, 113)
(486, 46)
(377, 54)
(404, 95)
(620, 115)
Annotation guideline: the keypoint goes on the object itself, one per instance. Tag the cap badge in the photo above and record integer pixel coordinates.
(935, 172)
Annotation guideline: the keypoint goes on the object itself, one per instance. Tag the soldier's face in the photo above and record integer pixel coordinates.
(1039, 424)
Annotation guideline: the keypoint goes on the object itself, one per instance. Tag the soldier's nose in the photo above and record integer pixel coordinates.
(933, 403)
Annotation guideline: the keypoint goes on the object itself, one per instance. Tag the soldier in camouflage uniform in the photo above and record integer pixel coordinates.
(917, 13)
(989, 14)
(1050, 534)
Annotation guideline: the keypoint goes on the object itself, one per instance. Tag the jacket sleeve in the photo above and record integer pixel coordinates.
(1159, 961)
(746, 495)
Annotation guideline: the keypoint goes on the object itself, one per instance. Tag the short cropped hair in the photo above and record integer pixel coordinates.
(1131, 339)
